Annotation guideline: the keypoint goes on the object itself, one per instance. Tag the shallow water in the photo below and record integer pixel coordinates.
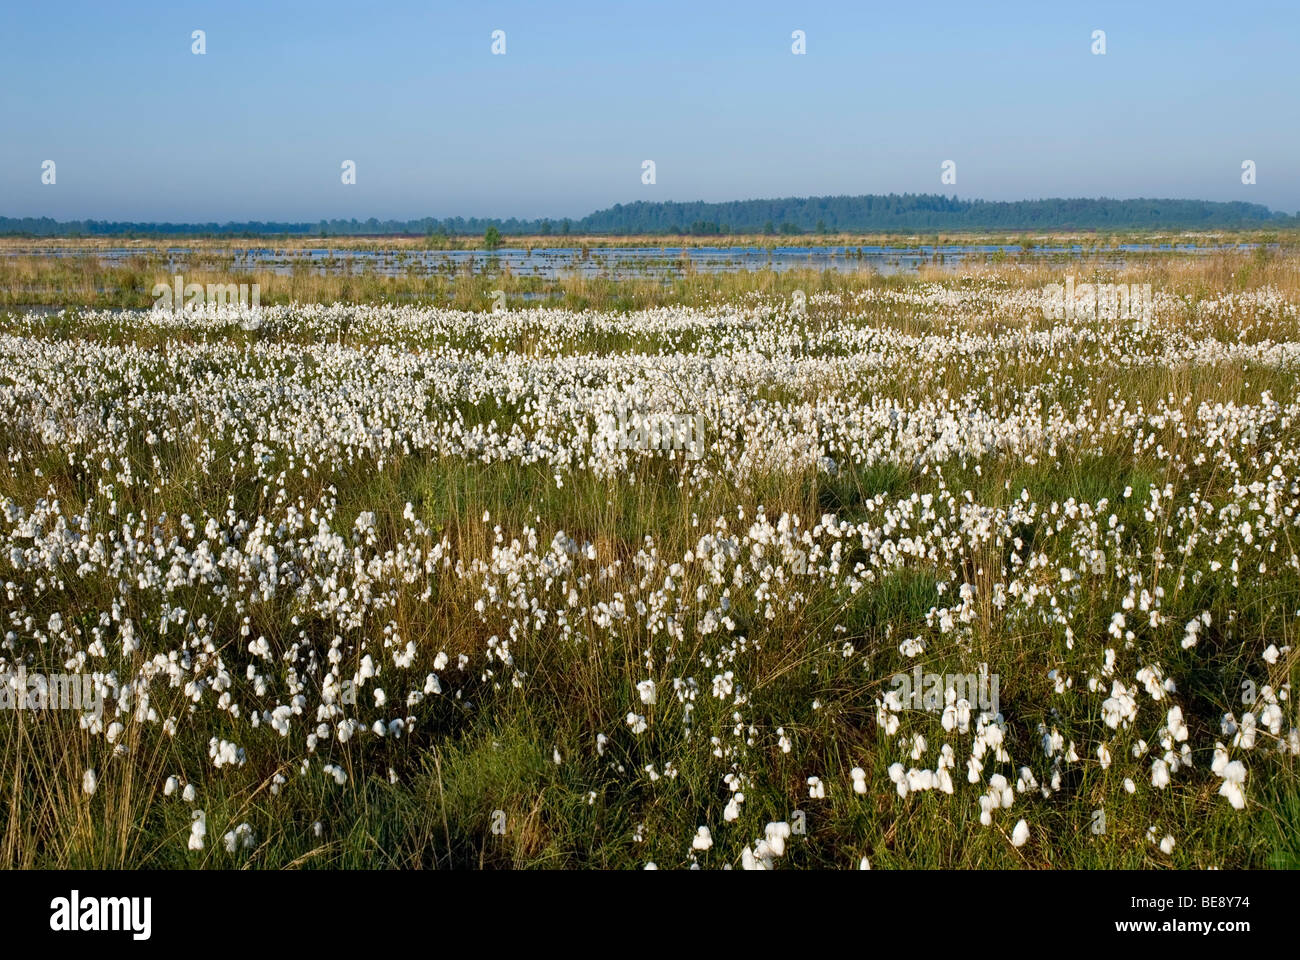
(630, 262)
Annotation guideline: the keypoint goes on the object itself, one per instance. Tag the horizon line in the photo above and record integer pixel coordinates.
(951, 198)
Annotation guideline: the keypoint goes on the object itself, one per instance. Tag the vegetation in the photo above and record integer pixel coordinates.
(220, 510)
(796, 215)
(75, 273)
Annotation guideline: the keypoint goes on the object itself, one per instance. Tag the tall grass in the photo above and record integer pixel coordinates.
(483, 788)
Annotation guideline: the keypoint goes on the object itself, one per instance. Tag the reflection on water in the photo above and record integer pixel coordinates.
(628, 262)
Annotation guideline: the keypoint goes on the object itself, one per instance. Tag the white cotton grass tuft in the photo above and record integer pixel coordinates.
(369, 688)
(1020, 834)
(1160, 774)
(646, 690)
(732, 810)
(776, 835)
(783, 741)
(1234, 777)
(765, 852)
(239, 839)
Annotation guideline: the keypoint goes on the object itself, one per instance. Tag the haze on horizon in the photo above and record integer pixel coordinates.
(257, 127)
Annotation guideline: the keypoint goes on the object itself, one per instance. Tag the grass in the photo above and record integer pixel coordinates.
(31, 276)
(475, 784)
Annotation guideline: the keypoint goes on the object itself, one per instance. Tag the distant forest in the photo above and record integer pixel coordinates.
(809, 215)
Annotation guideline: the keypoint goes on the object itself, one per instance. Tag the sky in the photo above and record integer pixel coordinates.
(258, 127)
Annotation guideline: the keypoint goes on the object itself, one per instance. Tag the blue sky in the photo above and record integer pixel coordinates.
(142, 129)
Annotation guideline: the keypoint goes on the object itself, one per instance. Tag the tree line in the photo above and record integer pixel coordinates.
(871, 213)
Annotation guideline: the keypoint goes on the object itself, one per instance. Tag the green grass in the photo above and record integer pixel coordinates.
(475, 783)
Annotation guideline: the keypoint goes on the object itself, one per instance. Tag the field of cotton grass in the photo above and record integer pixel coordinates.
(386, 586)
